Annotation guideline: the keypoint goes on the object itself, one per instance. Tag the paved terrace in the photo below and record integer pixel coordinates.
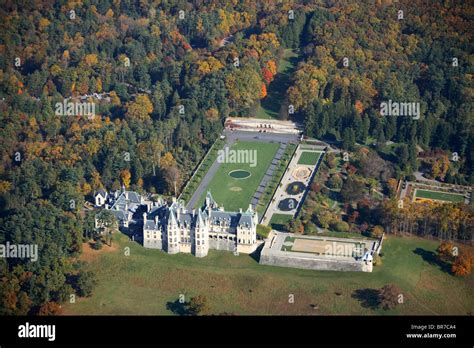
(272, 254)
(263, 125)
(281, 194)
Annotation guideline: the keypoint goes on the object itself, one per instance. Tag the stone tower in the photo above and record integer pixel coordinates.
(173, 236)
(201, 235)
(246, 228)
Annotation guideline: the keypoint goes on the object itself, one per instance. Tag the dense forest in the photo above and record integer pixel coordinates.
(164, 81)
(357, 57)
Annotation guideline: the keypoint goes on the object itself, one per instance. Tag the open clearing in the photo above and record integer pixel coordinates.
(145, 281)
(270, 106)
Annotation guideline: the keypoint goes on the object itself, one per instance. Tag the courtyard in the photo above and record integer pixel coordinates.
(318, 253)
(237, 184)
(294, 185)
(424, 191)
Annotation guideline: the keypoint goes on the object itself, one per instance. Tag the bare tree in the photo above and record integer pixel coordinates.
(173, 177)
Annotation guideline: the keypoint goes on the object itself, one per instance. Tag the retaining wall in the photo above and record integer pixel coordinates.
(315, 264)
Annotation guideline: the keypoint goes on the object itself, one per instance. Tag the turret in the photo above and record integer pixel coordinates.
(201, 236)
(173, 236)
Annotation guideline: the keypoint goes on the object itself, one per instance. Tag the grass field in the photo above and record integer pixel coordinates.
(439, 196)
(287, 247)
(147, 281)
(233, 193)
(351, 235)
(278, 221)
(309, 158)
(270, 106)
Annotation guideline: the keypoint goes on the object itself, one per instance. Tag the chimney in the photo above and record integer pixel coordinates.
(156, 220)
(240, 210)
(144, 218)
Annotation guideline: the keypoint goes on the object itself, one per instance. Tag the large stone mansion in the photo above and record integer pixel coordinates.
(172, 228)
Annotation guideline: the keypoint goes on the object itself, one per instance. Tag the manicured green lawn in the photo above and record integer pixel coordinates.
(341, 235)
(287, 247)
(278, 221)
(234, 193)
(265, 113)
(309, 158)
(441, 196)
(146, 280)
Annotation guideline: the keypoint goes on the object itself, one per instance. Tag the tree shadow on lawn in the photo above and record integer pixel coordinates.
(177, 308)
(369, 298)
(432, 259)
(278, 227)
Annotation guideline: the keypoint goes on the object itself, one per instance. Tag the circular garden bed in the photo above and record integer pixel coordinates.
(239, 174)
(287, 204)
(295, 188)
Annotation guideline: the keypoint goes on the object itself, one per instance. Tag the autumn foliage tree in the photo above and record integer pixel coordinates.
(126, 176)
(446, 251)
(263, 91)
(244, 87)
(462, 264)
(198, 305)
(140, 109)
(389, 296)
(309, 81)
(50, 308)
